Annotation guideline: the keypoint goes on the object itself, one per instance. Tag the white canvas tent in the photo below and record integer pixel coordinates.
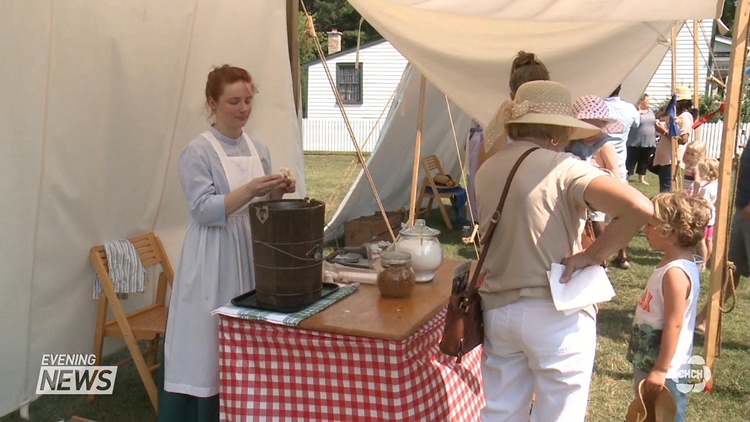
(465, 51)
(465, 48)
(391, 161)
(99, 98)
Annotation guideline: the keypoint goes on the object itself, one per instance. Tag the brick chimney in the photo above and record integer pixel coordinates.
(334, 41)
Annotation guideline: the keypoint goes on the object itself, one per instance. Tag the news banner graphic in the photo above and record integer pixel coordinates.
(74, 374)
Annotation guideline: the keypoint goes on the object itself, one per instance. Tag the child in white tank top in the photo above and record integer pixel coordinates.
(662, 338)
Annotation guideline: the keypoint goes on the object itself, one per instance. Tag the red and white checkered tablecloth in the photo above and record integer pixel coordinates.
(273, 372)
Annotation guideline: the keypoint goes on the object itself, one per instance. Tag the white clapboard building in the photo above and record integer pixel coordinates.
(366, 88)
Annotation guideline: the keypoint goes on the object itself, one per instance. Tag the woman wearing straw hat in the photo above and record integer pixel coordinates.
(663, 155)
(530, 346)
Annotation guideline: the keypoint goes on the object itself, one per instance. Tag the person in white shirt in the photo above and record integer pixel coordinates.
(629, 116)
(661, 342)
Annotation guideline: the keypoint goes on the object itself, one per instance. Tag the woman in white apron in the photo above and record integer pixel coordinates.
(221, 172)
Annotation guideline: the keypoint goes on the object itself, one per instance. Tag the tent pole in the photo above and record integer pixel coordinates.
(413, 210)
(675, 144)
(723, 205)
(696, 90)
(292, 33)
(674, 57)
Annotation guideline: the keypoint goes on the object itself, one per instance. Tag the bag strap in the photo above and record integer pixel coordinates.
(495, 218)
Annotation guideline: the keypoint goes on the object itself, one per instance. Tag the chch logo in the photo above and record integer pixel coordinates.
(74, 374)
(693, 375)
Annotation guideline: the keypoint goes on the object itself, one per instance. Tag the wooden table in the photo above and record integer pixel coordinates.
(367, 314)
(363, 358)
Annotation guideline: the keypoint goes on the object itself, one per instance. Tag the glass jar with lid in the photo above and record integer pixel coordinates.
(396, 279)
(425, 249)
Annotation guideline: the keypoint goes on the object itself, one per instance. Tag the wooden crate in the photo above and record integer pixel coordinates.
(371, 228)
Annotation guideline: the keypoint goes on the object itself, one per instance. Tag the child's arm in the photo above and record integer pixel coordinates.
(675, 288)
(696, 182)
(608, 155)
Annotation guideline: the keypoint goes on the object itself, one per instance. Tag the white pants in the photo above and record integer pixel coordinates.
(529, 346)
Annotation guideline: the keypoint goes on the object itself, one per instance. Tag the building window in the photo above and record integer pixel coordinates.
(349, 82)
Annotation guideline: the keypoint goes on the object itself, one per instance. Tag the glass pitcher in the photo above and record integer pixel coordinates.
(425, 249)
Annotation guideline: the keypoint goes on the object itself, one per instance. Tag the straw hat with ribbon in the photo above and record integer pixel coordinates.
(594, 110)
(683, 93)
(539, 102)
(652, 407)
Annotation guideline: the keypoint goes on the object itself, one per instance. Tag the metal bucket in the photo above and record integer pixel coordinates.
(288, 252)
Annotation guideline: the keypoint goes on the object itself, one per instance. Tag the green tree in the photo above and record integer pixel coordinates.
(328, 15)
(727, 15)
(339, 15)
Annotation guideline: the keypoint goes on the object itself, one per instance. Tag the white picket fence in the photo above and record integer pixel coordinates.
(711, 133)
(332, 134)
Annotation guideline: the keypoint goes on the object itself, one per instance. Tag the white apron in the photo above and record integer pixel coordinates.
(191, 349)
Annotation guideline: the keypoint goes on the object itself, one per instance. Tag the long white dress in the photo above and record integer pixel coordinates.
(216, 260)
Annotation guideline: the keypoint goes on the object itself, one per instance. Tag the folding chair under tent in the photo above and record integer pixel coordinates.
(391, 161)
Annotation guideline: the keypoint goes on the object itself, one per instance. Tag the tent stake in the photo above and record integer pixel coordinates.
(417, 154)
(723, 205)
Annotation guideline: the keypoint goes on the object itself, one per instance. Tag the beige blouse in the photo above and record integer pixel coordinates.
(663, 155)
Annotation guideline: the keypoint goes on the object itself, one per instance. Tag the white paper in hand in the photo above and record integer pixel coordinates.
(586, 287)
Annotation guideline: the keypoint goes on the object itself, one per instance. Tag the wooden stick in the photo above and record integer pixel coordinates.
(342, 109)
(292, 33)
(723, 205)
(675, 144)
(674, 57)
(417, 155)
(696, 90)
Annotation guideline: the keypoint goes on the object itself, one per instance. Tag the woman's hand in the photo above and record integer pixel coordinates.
(291, 186)
(655, 381)
(576, 262)
(661, 128)
(287, 186)
(262, 185)
(255, 188)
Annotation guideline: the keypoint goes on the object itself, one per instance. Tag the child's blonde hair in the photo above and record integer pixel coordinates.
(683, 215)
(698, 149)
(709, 169)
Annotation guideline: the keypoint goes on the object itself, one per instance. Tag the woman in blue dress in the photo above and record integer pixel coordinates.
(221, 171)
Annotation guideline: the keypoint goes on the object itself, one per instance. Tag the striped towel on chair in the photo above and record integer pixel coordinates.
(125, 269)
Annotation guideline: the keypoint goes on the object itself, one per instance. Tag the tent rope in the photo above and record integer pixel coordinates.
(728, 281)
(728, 285)
(463, 170)
(695, 42)
(310, 29)
(706, 37)
(359, 42)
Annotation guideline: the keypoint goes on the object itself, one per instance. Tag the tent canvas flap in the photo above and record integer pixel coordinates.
(102, 98)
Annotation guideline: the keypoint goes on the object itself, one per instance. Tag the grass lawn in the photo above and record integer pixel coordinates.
(611, 390)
